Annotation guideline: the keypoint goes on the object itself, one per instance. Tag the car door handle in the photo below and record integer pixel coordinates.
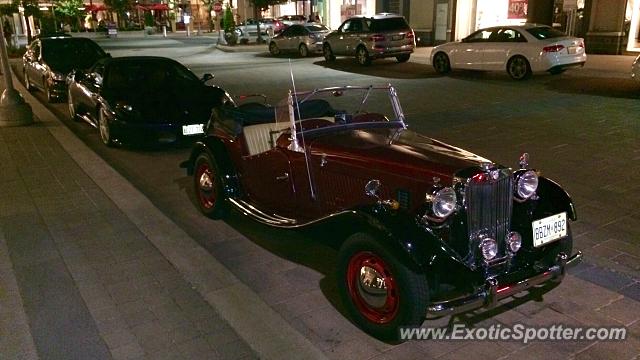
(283, 177)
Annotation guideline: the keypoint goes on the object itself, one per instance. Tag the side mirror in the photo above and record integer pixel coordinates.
(206, 78)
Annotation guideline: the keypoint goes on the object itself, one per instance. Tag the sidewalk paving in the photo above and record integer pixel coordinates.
(89, 268)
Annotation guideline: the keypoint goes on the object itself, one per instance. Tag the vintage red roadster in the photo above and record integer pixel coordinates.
(425, 229)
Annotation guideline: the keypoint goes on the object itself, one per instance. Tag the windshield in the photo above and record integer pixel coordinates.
(545, 32)
(330, 110)
(316, 27)
(389, 24)
(150, 74)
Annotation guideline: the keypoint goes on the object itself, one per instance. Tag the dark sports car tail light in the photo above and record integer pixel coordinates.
(488, 201)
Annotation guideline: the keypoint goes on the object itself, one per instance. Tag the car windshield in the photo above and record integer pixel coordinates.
(150, 74)
(545, 32)
(389, 24)
(330, 110)
(67, 52)
(316, 27)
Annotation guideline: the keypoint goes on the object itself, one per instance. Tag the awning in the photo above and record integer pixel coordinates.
(159, 7)
(95, 7)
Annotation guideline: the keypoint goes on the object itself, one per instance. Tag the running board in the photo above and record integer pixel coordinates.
(268, 219)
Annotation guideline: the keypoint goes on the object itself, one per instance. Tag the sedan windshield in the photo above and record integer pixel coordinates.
(545, 32)
(148, 74)
(66, 52)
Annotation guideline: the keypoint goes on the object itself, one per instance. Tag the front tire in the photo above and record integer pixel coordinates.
(105, 128)
(303, 50)
(73, 115)
(207, 181)
(403, 58)
(362, 56)
(47, 92)
(27, 82)
(441, 63)
(518, 68)
(273, 49)
(381, 293)
(328, 53)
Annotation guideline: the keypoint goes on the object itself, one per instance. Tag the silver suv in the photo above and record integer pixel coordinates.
(367, 38)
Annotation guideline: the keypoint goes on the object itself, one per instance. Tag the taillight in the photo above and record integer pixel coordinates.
(377, 37)
(410, 35)
(553, 48)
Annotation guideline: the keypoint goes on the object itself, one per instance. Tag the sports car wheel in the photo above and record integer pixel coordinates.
(379, 291)
(72, 107)
(403, 58)
(441, 63)
(27, 82)
(208, 187)
(328, 53)
(273, 49)
(105, 128)
(518, 68)
(47, 92)
(363, 56)
(303, 50)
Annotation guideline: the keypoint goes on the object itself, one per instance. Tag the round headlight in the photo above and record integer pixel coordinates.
(514, 241)
(527, 184)
(489, 248)
(444, 202)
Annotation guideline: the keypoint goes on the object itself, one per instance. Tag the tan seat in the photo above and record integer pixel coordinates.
(262, 137)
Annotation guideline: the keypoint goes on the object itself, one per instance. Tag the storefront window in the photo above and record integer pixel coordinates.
(631, 26)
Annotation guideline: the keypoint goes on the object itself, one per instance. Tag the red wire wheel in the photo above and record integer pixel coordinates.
(208, 187)
(372, 287)
(206, 183)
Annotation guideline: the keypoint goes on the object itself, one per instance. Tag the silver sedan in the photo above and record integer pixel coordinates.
(304, 39)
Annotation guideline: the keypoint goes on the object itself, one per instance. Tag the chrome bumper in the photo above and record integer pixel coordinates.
(493, 292)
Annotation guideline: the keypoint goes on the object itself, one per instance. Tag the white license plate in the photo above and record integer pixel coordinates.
(397, 37)
(549, 229)
(193, 129)
(572, 49)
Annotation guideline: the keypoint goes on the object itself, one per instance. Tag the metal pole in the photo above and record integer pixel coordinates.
(14, 111)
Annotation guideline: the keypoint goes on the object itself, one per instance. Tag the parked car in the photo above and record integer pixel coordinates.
(48, 60)
(268, 27)
(367, 38)
(423, 228)
(303, 39)
(635, 69)
(142, 99)
(518, 50)
(289, 20)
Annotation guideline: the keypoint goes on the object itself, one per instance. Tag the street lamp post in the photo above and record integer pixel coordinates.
(14, 111)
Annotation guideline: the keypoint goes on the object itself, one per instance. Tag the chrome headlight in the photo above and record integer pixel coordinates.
(444, 202)
(526, 184)
(57, 76)
(514, 241)
(489, 248)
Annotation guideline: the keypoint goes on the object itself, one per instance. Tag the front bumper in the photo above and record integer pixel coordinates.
(492, 291)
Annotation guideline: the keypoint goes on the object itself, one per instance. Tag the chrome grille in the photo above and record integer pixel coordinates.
(488, 203)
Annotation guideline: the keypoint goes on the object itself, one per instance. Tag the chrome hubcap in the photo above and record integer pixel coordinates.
(205, 182)
(372, 287)
(104, 128)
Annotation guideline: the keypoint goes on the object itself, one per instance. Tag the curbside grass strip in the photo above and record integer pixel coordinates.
(268, 334)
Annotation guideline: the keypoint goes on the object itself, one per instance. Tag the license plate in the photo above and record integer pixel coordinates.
(549, 229)
(193, 129)
(397, 37)
(572, 49)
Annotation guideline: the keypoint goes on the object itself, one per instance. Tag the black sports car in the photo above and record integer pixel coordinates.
(142, 99)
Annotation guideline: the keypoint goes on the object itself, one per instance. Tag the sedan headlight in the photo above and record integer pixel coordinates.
(57, 76)
(443, 202)
(526, 184)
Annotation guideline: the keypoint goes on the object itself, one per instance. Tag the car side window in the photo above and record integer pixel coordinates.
(346, 27)
(366, 25)
(299, 31)
(356, 26)
(480, 36)
(287, 32)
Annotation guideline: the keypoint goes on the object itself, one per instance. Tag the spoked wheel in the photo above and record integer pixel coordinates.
(47, 92)
(379, 291)
(72, 107)
(328, 53)
(363, 56)
(403, 58)
(273, 49)
(441, 63)
(303, 50)
(208, 187)
(105, 128)
(518, 68)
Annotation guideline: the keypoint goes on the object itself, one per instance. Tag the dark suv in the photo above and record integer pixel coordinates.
(48, 60)
(367, 38)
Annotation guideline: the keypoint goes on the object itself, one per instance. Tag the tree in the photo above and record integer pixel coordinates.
(260, 6)
(119, 6)
(69, 9)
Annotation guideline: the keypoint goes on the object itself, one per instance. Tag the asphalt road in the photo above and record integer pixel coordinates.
(580, 129)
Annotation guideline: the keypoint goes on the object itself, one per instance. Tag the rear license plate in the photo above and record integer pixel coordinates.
(549, 229)
(194, 129)
(397, 37)
(572, 49)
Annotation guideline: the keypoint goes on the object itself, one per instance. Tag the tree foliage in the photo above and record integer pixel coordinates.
(69, 8)
(229, 23)
(8, 9)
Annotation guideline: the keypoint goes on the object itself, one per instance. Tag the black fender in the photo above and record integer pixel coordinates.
(217, 150)
(548, 190)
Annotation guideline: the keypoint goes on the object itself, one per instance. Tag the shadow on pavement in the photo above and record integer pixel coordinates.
(385, 68)
(599, 86)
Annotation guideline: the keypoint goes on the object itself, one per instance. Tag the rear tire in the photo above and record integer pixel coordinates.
(441, 63)
(303, 50)
(273, 49)
(105, 128)
(328, 53)
(362, 56)
(380, 293)
(403, 58)
(207, 181)
(73, 115)
(518, 68)
(47, 92)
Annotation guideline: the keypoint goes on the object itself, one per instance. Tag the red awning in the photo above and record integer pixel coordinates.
(159, 7)
(95, 7)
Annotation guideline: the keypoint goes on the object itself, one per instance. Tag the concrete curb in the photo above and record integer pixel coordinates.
(268, 334)
(243, 48)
